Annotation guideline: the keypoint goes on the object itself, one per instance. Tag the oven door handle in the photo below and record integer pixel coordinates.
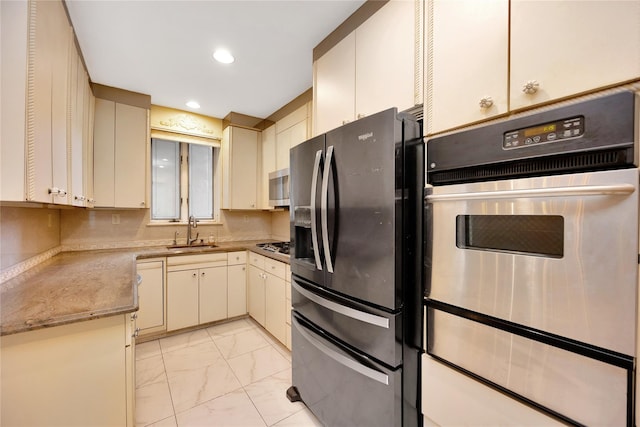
(372, 319)
(340, 358)
(578, 191)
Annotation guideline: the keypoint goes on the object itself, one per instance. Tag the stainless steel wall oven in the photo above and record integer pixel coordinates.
(534, 257)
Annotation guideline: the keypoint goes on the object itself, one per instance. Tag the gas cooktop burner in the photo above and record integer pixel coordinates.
(277, 247)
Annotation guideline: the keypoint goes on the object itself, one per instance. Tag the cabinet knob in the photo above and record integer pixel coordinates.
(195, 274)
(360, 115)
(134, 316)
(243, 268)
(344, 122)
(79, 198)
(203, 274)
(531, 87)
(142, 203)
(136, 333)
(90, 200)
(486, 102)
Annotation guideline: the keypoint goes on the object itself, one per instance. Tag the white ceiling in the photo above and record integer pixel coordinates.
(164, 49)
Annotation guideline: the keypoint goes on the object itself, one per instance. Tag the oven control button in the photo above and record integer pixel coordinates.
(567, 133)
(536, 139)
(551, 136)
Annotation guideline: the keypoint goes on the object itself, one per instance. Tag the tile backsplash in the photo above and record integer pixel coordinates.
(30, 235)
(26, 233)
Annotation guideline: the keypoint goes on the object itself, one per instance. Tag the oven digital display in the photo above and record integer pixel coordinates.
(560, 130)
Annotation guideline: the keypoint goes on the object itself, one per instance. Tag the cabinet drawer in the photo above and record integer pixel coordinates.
(256, 260)
(235, 258)
(183, 262)
(276, 268)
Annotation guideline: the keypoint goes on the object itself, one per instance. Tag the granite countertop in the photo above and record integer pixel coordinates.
(84, 285)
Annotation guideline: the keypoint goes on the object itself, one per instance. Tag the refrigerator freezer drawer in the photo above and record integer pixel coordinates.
(374, 332)
(340, 387)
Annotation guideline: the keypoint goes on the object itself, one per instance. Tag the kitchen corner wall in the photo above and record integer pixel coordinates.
(280, 225)
(27, 232)
(95, 228)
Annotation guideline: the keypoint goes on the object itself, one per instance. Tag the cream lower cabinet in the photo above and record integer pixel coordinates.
(79, 374)
(256, 285)
(267, 294)
(151, 296)
(237, 284)
(196, 289)
(288, 306)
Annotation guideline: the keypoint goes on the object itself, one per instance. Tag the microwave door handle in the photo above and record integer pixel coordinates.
(580, 190)
(340, 358)
(324, 208)
(314, 227)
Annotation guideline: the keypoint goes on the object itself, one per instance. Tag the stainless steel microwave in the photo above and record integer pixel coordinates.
(279, 188)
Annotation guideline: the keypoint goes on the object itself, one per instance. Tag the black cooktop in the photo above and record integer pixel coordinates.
(277, 247)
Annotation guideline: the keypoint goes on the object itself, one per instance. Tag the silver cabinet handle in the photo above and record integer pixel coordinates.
(314, 228)
(372, 319)
(340, 358)
(581, 190)
(134, 316)
(324, 208)
(138, 279)
(136, 333)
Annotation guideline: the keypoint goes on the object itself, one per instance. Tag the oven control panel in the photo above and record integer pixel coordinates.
(546, 133)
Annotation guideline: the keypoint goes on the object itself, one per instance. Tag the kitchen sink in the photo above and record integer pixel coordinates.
(193, 246)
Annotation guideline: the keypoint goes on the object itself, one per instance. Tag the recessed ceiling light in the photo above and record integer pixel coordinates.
(224, 56)
(193, 104)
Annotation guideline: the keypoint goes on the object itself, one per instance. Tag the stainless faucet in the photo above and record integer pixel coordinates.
(193, 220)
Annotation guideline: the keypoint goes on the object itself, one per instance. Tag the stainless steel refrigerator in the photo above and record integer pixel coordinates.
(356, 263)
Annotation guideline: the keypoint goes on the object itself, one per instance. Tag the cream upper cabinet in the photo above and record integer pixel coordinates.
(334, 86)
(239, 168)
(47, 103)
(485, 59)
(120, 144)
(385, 59)
(370, 70)
(467, 65)
(569, 47)
(291, 130)
(268, 163)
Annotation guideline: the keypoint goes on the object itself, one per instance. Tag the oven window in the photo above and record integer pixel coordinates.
(540, 235)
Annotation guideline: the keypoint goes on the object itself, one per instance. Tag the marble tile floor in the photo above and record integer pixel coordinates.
(232, 374)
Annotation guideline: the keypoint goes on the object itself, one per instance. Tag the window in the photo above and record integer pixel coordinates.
(182, 181)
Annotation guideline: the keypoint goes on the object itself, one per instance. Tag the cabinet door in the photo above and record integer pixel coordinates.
(213, 294)
(182, 299)
(570, 47)
(268, 163)
(334, 86)
(151, 295)
(60, 68)
(256, 294)
(467, 54)
(275, 303)
(385, 59)
(104, 152)
(130, 156)
(243, 171)
(78, 98)
(237, 290)
(39, 120)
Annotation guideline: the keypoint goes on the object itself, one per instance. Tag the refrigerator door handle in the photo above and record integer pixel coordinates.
(314, 228)
(340, 358)
(323, 208)
(372, 319)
